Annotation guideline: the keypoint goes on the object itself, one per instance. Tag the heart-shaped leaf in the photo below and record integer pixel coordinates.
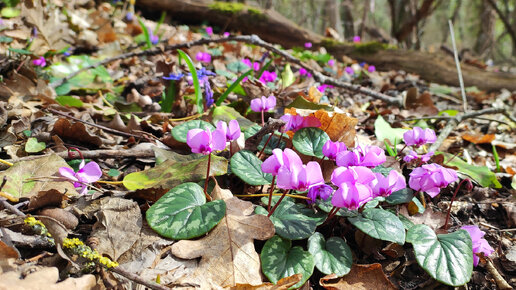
(248, 167)
(274, 142)
(179, 132)
(447, 258)
(380, 224)
(480, 174)
(252, 130)
(182, 213)
(401, 196)
(332, 256)
(33, 146)
(280, 260)
(291, 221)
(310, 141)
(383, 130)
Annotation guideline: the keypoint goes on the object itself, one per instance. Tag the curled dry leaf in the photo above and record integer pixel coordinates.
(433, 219)
(65, 217)
(283, 284)
(420, 104)
(361, 277)
(44, 278)
(51, 197)
(227, 253)
(479, 138)
(76, 132)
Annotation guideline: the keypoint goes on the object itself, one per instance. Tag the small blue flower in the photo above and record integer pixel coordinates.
(129, 16)
(174, 77)
(208, 93)
(203, 72)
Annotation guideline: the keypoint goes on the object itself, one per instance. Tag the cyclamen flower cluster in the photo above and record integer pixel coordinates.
(296, 122)
(206, 141)
(203, 57)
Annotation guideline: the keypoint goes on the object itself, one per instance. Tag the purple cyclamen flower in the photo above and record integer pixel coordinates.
(209, 30)
(174, 77)
(386, 185)
(205, 141)
(203, 57)
(41, 61)
(331, 62)
(226, 34)
(287, 158)
(418, 136)
(296, 122)
(263, 104)
(331, 149)
(430, 178)
(356, 38)
(323, 87)
(268, 77)
(371, 68)
(300, 177)
(412, 155)
(369, 156)
(308, 44)
(349, 70)
(232, 130)
(302, 71)
(480, 245)
(88, 173)
(323, 191)
(353, 183)
(254, 65)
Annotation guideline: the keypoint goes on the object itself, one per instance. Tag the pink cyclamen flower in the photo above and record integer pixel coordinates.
(88, 173)
(209, 30)
(371, 68)
(331, 149)
(369, 156)
(205, 141)
(412, 155)
(287, 158)
(226, 34)
(354, 189)
(349, 70)
(480, 245)
(263, 104)
(323, 191)
(254, 65)
(41, 61)
(430, 178)
(296, 122)
(203, 57)
(331, 62)
(268, 77)
(232, 131)
(356, 38)
(308, 44)
(300, 177)
(323, 87)
(418, 136)
(386, 185)
(302, 71)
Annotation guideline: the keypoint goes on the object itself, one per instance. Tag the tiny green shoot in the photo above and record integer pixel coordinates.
(232, 87)
(195, 79)
(496, 158)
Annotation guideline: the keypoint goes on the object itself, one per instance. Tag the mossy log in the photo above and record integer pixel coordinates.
(275, 28)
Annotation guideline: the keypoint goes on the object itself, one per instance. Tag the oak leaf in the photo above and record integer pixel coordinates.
(228, 253)
(361, 277)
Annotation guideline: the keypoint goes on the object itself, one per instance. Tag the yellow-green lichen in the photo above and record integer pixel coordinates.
(330, 42)
(234, 8)
(37, 226)
(370, 47)
(77, 247)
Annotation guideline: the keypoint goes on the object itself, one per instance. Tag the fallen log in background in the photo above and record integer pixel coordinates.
(275, 28)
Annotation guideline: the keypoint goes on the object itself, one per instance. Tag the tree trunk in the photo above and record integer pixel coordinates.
(485, 38)
(347, 17)
(333, 13)
(272, 27)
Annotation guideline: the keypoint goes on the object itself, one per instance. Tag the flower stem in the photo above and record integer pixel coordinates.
(451, 202)
(208, 197)
(75, 149)
(399, 152)
(266, 142)
(279, 140)
(6, 162)
(270, 193)
(263, 119)
(274, 194)
(277, 203)
(332, 212)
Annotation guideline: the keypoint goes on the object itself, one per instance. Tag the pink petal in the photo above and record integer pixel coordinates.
(198, 140)
(219, 140)
(67, 172)
(314, 173)
(89, 173)
(256, 105)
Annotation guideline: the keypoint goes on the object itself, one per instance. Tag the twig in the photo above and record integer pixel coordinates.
(10, 207)
(459, 72)
(272, 125)
(500, 281)
(250, 39)
(137, 279)
(116, 132)
(459, 118)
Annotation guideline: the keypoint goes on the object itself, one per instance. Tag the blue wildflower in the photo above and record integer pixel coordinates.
(174, 77)
(208, 93)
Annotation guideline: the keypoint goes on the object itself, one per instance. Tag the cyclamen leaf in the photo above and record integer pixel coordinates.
(179, 132)
(33, 146)
(447, 258)
(480, 174)
(383, 130)
(310, 141)
(280, 260)
(248, 167)
(401, 196)
(380, 224)
(182, 213)
(272, 143)
(331, 256)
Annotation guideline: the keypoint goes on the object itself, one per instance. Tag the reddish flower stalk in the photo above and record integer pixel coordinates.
(270, 193)
(70, 155)
(277, 203)
(208, 197)
(469, 186)
(266, 142)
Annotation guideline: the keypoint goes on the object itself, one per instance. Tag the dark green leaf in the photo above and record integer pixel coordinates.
(275, 140)
(380, 224)
(252, 130)
(179, 132)
(237, 66)
(302, 103)
(195, 79)
(447, 258)
(480, 174)
(248, 167)
(226, 114)
(401, 196)
(182, 213)
(332, 256)
(280, 260)
(310, 141)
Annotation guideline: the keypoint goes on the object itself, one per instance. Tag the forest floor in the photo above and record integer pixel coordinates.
(105, 100)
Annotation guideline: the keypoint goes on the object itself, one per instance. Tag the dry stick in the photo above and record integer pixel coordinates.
(250, 39)
(459, 72)
(270, 127)
(500, 281)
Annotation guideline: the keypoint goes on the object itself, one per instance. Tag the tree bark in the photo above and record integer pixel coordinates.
(508, 25)
(274, 28)
(347, 17)
(485, 38)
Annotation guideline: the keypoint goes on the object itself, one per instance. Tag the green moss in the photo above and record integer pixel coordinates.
(234, 8)
(330, 42)
(370, 47)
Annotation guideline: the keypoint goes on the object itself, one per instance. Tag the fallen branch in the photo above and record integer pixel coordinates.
(500, 281)
(250, 39)
(270, 127)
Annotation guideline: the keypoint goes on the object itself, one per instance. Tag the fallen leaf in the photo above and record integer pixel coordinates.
(118, 226)
(314, 95)
(479, 138)
(433, 219)
(283, 284)
(420, 104)
(7, 252)
(51, 197)
(227, 253)
(65, 217)
(76, 132)
(44, 278)
(361, 277)
(19, 183)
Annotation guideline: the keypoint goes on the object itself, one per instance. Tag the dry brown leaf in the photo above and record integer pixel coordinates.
(44, 279)
(314, 95)
(420, 104)
(7, 252)
(361, 277)
(479, 138)
(433, 219)
(283, 284)
(106, 33)
(65, 217)
(76, 132)
(51, 197)
(228, 253)
(118, 226)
